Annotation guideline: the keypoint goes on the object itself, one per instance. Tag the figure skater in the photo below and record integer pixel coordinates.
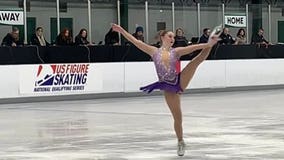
(171, 82)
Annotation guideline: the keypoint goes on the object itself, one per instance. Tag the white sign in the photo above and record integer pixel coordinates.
(60, 78)
(12, 17)
(235, 21)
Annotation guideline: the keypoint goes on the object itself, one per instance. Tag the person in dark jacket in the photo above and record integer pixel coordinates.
(81, 38)
(205, 36)
(139, 33)
(226, 38)
(12, 39)
(258, 38)
(64, 38)
(180, 40)
(111, 38)
(38, 38)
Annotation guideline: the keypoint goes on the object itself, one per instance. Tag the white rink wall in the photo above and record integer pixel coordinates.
(128, 77)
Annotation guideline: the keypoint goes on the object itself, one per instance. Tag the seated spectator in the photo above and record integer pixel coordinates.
(139, 33)
(259, 39)
(226, 38)
(38, 38)
(12, 39)
(111, 38)
(64, 38)
(205, 35)
(81, 38)
(241, 37)
(180, 40)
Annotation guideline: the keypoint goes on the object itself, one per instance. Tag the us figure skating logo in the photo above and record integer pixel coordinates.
(61, 77)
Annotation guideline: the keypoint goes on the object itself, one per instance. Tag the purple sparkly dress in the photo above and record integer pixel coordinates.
(169, 78)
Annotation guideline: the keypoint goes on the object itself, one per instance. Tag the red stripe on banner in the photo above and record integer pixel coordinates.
(39, 70)
(53, 68)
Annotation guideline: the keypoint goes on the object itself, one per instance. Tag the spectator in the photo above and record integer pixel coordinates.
(205, 35)
(81, 38)
(241, 37)
(12, 39)
(180, 40)
(259, 39)
(139, 33)
(38, 38)
(111, 38)
(226, 38)
(64, 38)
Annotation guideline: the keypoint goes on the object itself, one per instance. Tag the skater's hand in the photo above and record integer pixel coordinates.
(214, 36)
(117, 28)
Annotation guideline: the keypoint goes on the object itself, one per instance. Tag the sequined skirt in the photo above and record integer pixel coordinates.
(161, 85)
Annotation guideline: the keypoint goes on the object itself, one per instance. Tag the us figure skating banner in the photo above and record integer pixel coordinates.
(60, 78)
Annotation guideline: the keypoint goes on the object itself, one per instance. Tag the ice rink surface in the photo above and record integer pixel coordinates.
(243, 125)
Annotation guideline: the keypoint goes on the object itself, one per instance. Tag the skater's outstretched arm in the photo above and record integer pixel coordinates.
(189, 49)
(139, 44)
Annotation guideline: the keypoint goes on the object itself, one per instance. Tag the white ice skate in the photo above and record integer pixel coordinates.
(216, 31)
(214, 36)
(181, 148)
